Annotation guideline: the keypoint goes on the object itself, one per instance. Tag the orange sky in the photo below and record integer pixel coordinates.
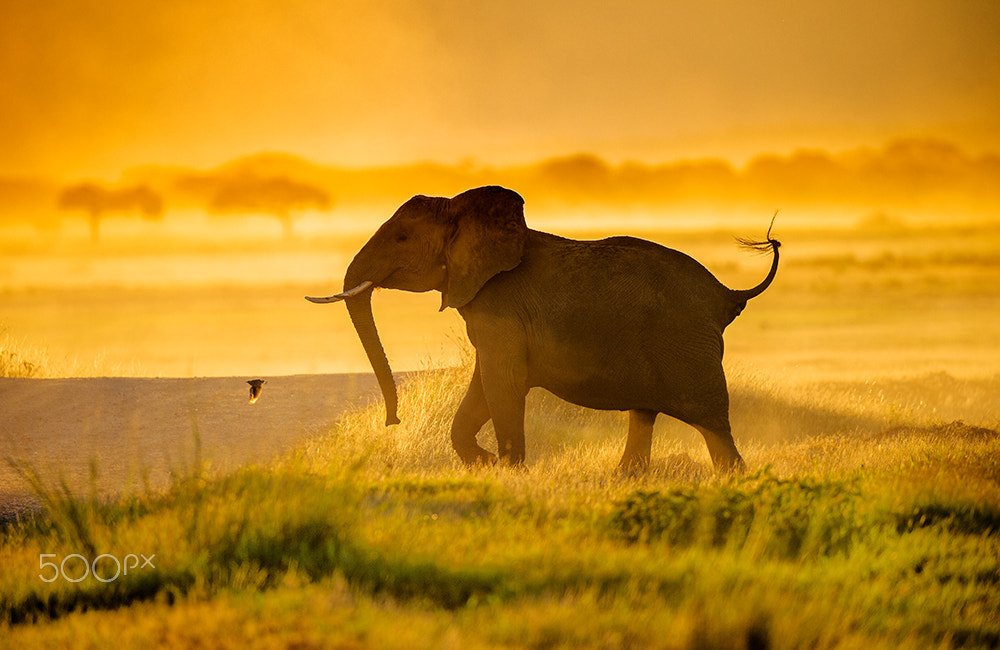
(92, 87)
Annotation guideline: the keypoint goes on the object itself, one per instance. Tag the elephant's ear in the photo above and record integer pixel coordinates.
(488, 238)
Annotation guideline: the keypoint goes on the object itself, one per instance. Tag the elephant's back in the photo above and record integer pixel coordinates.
(634, 271)
(568, 283)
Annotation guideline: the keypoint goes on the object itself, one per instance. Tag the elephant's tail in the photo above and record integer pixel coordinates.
(741, 296)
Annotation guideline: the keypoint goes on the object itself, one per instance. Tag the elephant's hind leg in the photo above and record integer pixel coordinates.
(707, 410)
(472, 414)
(639, 442)
(721, 447)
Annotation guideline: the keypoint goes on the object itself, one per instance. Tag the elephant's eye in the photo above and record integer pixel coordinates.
(401, 237)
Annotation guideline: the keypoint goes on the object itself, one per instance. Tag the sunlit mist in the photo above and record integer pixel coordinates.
(93, 88)
(176, 178)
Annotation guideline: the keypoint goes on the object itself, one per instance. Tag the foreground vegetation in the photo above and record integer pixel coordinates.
(852, 531)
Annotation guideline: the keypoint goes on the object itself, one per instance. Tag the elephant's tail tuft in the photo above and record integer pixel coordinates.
(769, 245)
(761, 247)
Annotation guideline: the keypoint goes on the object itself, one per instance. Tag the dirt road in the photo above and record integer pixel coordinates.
(137, 431)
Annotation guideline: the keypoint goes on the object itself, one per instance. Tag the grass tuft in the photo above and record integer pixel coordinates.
(18, 359)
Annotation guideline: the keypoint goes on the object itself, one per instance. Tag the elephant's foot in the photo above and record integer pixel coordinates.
(633, 465)
(476, 456)
(512, 461)
(731, 466)
(722, 449)
(511, 451)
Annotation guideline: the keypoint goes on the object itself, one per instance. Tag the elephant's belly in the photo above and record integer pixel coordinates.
(616, 374)
(596, 396)
(601, 384)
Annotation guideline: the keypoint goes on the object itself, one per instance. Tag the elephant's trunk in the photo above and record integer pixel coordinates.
(359, 306)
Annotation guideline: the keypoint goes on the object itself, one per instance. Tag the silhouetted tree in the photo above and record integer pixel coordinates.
(97, 201)
(576, 177)
(278, 196)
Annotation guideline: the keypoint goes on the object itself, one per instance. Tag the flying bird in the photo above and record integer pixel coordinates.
(255, 387)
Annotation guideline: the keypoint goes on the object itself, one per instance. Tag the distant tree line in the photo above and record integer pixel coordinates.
(903, 174)
(276, 196)
(96, 201)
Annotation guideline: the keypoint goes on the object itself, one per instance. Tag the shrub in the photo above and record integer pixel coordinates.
(765, 515)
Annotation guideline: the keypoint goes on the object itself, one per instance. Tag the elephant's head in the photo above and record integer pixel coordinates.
(431, 243)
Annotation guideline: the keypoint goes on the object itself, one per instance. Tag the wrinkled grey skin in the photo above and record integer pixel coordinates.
(616, 324)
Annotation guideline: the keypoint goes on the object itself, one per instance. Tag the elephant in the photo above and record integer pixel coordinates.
(614, 324)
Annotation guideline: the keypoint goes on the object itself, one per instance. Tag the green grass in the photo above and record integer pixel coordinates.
(856, 528)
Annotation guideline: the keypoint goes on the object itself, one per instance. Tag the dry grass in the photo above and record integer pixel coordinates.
(18, 359)
(21, 358)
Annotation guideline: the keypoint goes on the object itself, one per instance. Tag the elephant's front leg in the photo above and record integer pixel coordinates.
(504, 379)
(472, 414)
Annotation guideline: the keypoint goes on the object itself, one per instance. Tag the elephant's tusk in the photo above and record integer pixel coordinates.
(340, 296)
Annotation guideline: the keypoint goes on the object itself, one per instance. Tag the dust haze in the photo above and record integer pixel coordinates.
(174, 179)
(891, 256)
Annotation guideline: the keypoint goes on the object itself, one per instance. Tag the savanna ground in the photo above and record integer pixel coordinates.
(864, 391)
